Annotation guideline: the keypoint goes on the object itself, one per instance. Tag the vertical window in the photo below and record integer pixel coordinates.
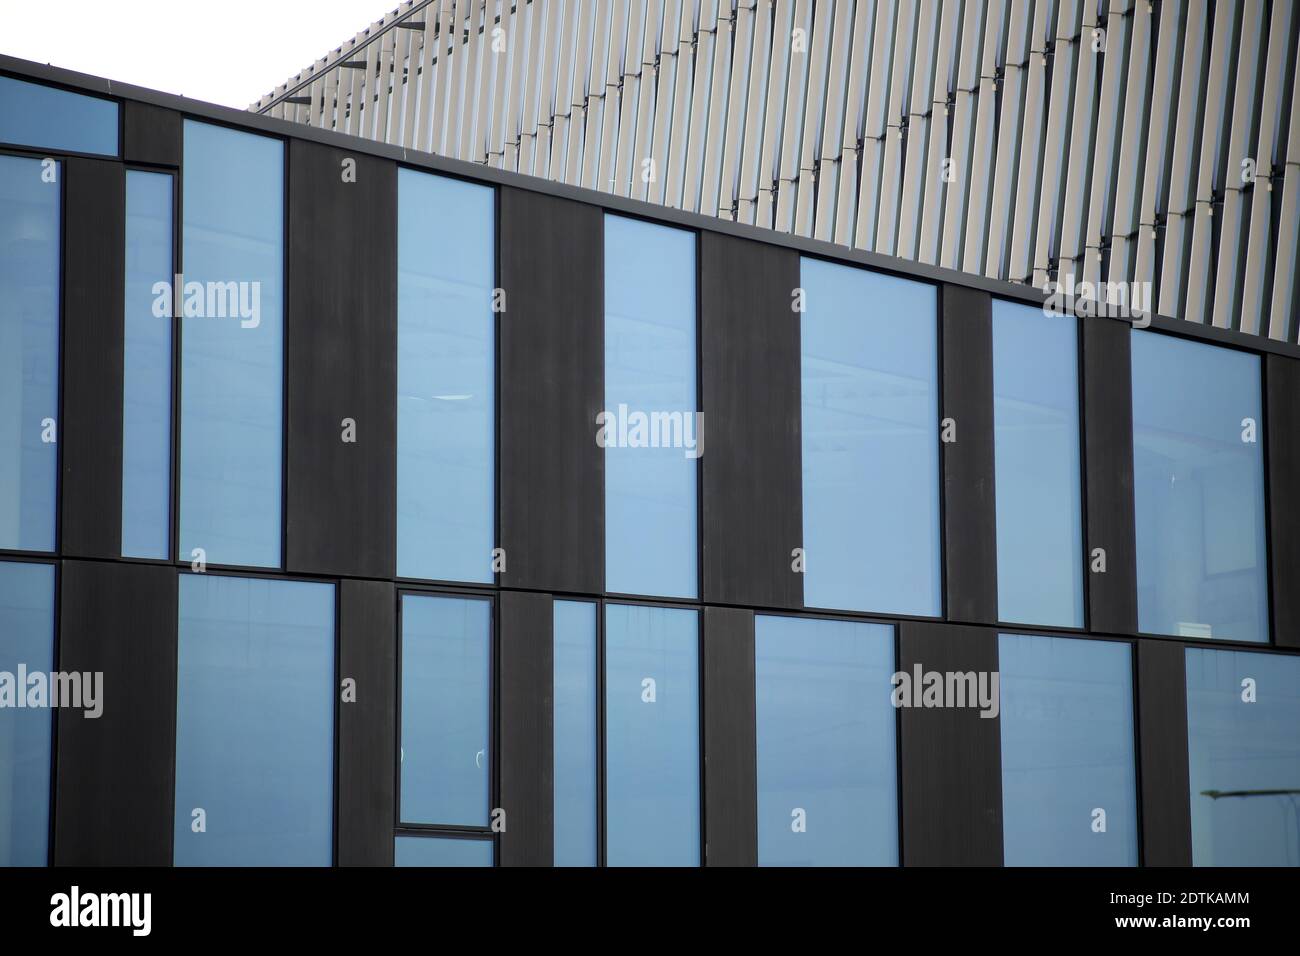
(147, 369)
(446, 264)
(1069, 796)
(649, 428)
(442, 851)
(232, 347)
(1036, 449)
(576, 746)
(1243, 711)
(29, 351)
(1198, 488)
(827, 777)
(446, 757)
(870, 396)
(254, 722)
(652, 736)
(26, 647)
(50, 118)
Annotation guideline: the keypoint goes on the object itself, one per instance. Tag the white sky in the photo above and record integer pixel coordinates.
(222, 51)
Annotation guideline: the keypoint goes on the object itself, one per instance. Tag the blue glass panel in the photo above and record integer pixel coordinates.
(29, 352)
(255, 722)
(1036, 447)
(870, 395)
(232, 346)
(442, 851)
(445, 375)
(1067, 752)
(58, 120)
(446, 710)
(827, 778)
(1243, 744)
(147, 368)
(651, 435)
(576, 742)
(26, 641)
(652, 736)
(1198, 488)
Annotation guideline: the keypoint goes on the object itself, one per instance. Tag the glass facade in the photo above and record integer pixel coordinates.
(26, 647)
(441, 851)
(147, 368)
(652, 736)
(1037, 468)
(446, 756)
(1069, 792)
(446, 358)
(827, 778)
(1198, 489)
(1243, 743)
(870, 396)
(30, 215)
(254, 722)
(576, 739)
(650, 431)
(232, 347)
(44, 117)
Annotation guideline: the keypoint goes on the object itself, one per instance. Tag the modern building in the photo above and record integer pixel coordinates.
(1147, 142)
(393, 508)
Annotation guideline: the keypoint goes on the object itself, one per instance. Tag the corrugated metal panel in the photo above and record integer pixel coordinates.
(989, 136)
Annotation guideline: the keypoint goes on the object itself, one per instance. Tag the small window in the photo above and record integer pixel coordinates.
(27, 642)
(1243, 748)
(1069, 796)
(442, 851)
(44, 117)
(254, 722)
(827, 775)
(577, 742)
(652, 731)
(446, 750)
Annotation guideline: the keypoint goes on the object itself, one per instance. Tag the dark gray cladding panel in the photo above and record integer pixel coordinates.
(151, 135)
(1108, 473)
(341, 363)
(115, 774)
(1162, 753)
(552, 387)
(951, 756)
(1282, 451)
(730, 755)
(527, 746)
(367, 747)
(751, 471)
(90, 432)
(969, 509)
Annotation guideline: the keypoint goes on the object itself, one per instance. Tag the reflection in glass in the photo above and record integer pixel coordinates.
(232, 347)
(446, 756)
(650, 492)
(1036, 447)
(147, 369)
(827, 781)
(29, 353)
(44, 117)
(870, 395)
(1069, 796)
(254, 722)
(26, 640)
(575, 735)
(1198, 487)
(441, 851)
(652, 736)
(1243, 743)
